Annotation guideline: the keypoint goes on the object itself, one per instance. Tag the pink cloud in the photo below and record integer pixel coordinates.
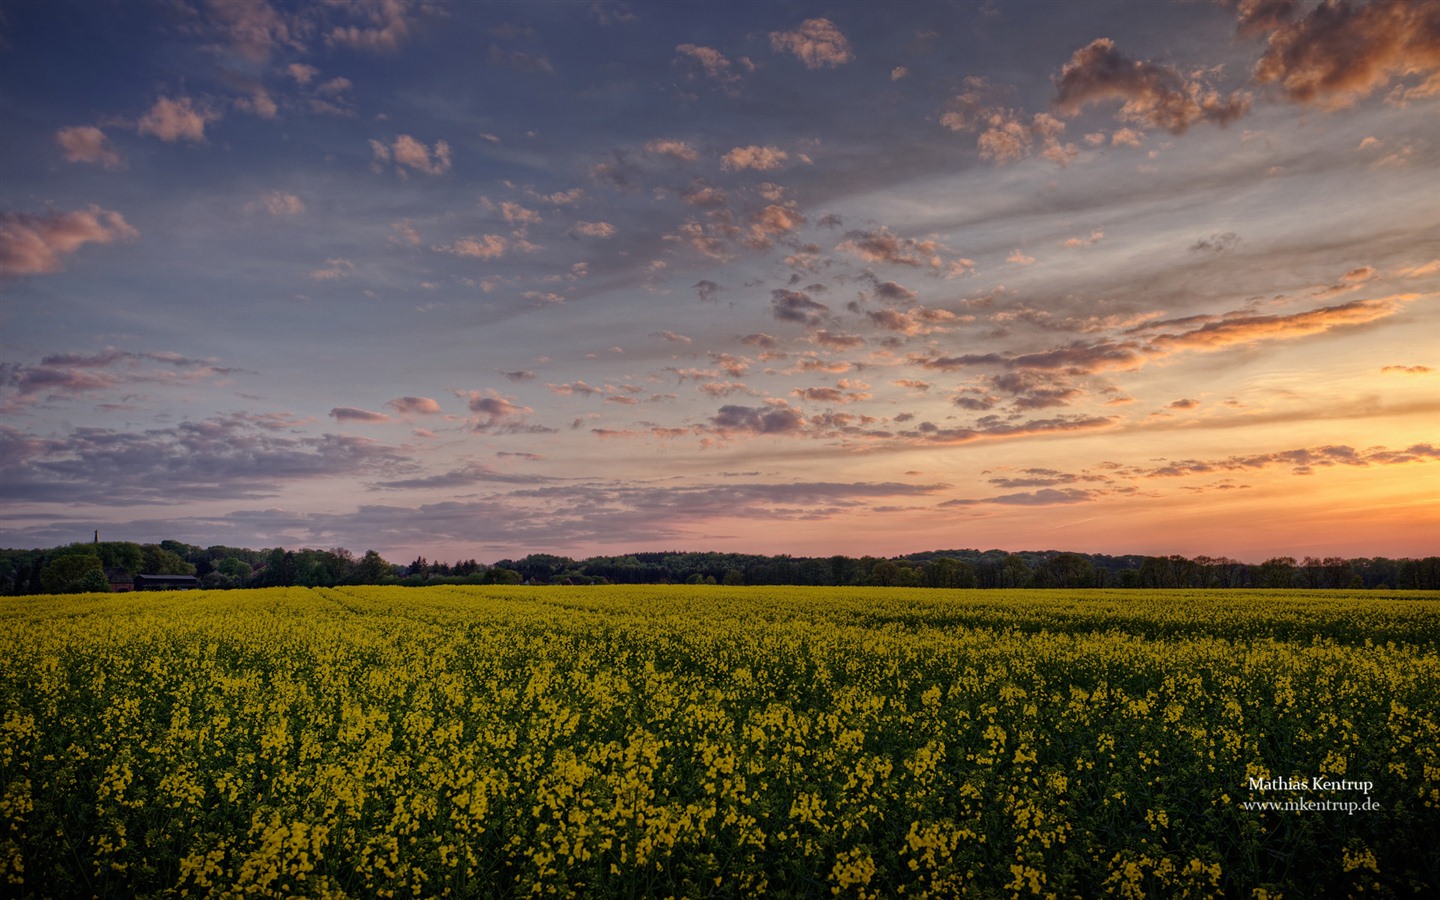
(714, 65)
(176, 120)
(408, 152)
(34, 244)
(384, 26)
(817, 43)
(753, 157)
(673, 149)
(489, 246)
(88, 144)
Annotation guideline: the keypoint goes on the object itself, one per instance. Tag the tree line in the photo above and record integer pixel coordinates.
(102, 565)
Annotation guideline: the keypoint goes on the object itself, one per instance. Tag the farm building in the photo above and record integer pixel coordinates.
(166, 583)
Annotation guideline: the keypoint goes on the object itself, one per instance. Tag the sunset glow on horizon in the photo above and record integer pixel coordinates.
(477, 280)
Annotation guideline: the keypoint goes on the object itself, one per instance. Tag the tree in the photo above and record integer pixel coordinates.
(66, 574)
(93, 582)
(234, 567)
(1277, 572)
(1066, 570)
(498, 575)
(157, 560)
(1015, 572)
(885, 573)
(374, 569)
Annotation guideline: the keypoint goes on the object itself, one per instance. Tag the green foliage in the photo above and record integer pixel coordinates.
(158, 560)
(65, 574)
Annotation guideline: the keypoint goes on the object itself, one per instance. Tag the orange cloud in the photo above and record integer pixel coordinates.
(1152, 95)
(1250, 329)
(1340, 52)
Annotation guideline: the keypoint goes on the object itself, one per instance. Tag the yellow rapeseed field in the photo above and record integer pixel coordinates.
(711, 741)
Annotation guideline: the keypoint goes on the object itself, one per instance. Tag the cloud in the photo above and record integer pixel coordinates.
(1429, 268)
(1077, 357)
(830, 395)
(889, 290)
(62, 375)
(1007, 138)
(1031, 390)
(468, 475)
(176, 120)
(1044, 497)
(776, 220)
(1004, 135)
(225, 457)
(1214, 334)
(671, 336)
(1250, 329)
(1302, 460)
(351, 414)
(1152, 95)
(414, 406)
(576, 387)
(797, 306)
(333, 270)
(1339, 53)
(1095, 237)
(253, 30)
(1018, 257)
(753, 157)
(88, 144)
(280, 203)
(1408, 370)
(408, 152)
(672, 149)
(1036, 477)
(882, 246)
(817, 43)
(920, 320)
(497, 413)
(35, 244)
(992, 428)
(714, 65)
(383, 26)
(1216, 242)
(489, 246)
(708, 291)
(595, 229)
(777, 419)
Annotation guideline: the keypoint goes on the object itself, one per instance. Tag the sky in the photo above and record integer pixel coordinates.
(476, 280)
